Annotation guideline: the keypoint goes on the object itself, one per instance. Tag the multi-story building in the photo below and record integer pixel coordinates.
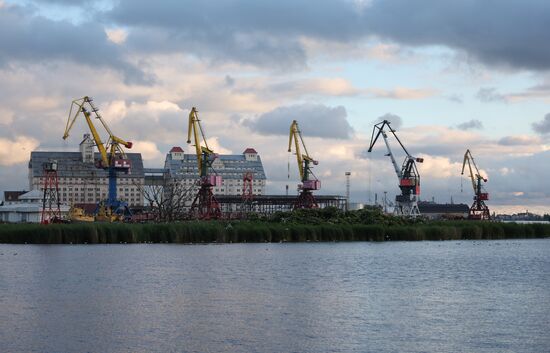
(231, 167)
(81, 182)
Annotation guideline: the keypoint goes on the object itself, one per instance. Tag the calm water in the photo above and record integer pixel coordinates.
(488, 296)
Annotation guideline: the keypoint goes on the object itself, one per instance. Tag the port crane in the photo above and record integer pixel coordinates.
(308, 179)
(406, 204)
(111, 153)
(478, 210)
(205, 205)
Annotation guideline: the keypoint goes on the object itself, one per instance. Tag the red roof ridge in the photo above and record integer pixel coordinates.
(250, 150)
(176, 149)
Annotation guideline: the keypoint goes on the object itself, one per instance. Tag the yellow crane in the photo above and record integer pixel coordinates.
(205, 205)
(203, 152)
(109, 151)
(112, 155)
(479, 209)
(305, 199)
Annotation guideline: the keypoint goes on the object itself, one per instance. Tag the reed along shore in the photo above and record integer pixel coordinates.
(254, 232)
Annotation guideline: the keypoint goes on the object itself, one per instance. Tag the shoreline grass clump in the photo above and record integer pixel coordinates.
(325, 225)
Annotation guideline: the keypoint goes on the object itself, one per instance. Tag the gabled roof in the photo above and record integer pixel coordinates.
(250, 150)
(32, 195)
(176, 149)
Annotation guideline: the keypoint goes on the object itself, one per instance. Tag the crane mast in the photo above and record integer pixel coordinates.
(112, 155)
(406, 204)
(205, 205)
(304, 161)
(478, 210)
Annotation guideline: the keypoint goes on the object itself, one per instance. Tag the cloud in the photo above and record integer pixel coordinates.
(456, 98)
(401, 93)
(395, 120)
(314, 119)
(13, 151)
(438, 167)
(518, 140)
(148, 149)
(543, 126)
(456, 25)
(490, 95)
(26, 38)
(116, 35)
(269, 34)
(473, 124)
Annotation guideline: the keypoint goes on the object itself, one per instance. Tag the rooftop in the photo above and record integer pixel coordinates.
(70, 165)
(229, 166)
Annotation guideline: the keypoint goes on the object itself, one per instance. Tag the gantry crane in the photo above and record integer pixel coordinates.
(406, 204)
(478, 210)
(308, 179)
(205, 205)
(112, 155)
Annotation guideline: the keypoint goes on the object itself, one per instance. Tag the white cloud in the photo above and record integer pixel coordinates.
(149, 150)
(16, 151)
(116, 35)
(438, 167)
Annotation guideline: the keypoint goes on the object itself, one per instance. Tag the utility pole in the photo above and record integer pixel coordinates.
(347, 190)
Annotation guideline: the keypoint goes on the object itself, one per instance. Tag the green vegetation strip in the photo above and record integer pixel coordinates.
(254, 231)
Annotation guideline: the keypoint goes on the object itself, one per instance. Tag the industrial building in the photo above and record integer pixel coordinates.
(24, 208)
(231, 168)
(81, 182)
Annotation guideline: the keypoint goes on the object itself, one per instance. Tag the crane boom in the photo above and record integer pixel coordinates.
(479, 209)
(205, 205)
(302, 159)
(469, 159)
(78, 106)
(112, 155)
(407, 175)
(306, 198)
(202, 152)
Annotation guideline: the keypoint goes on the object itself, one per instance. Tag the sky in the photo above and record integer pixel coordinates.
(450, 76)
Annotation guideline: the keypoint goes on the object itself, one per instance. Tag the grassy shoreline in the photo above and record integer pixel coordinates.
(262, 231)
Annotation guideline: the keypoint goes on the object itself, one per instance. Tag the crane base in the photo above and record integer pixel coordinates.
(205, 205)
(479, 211)
(306, 200)
(406, 209)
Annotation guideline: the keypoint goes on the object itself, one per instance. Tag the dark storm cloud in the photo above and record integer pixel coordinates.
(314, 120)
(543, 126)
(508, 32)
(269, 34)
(473, 124)
(28, 38)
(505, 32)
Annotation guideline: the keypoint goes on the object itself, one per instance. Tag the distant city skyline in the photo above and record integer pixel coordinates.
(449, 75)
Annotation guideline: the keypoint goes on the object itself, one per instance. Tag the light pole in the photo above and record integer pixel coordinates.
(348, 174)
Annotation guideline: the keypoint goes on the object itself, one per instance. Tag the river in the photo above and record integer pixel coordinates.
(452, 296)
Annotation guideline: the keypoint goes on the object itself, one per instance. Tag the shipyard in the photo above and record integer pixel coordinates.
(347, 176)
